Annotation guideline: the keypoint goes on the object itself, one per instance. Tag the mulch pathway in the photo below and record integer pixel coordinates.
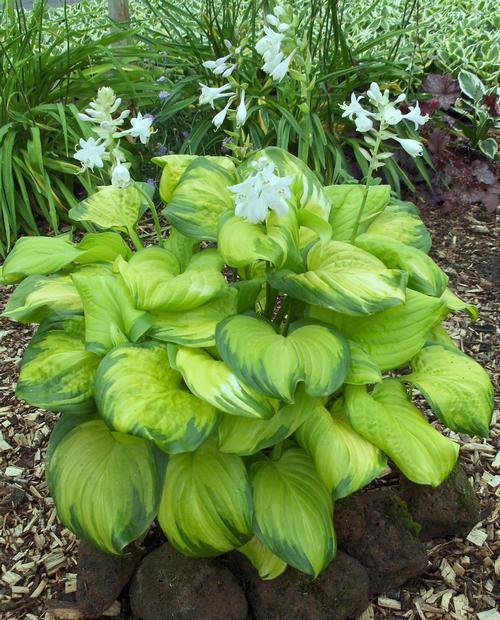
(38, 555)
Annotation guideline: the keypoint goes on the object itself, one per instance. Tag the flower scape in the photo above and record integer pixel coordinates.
(257, 364)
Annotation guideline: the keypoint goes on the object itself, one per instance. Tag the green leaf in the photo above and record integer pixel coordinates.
(39, 256)
(110, 317)
(57, 372)
(41, 297)
(213, 381)
(391, 338)
(102, 247)
(245, 436)
(200, 198)
(182, 247)
(344, 460)
(174, 167)
(206, 506)
(344, 278)
(155, 283)
(106, 485)
(110, 207)
(194, 328)
(471, 85)
(346, 201)
(293, 511)
(457, 388)
(401, 222)
(268, 565)
(389, 420)
(363, 369)
(274, 364)
(489, 147)
(455, 304)
(137, 392)
(423, 273)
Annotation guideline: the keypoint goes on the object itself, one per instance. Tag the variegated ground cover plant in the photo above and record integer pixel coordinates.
(237, 378)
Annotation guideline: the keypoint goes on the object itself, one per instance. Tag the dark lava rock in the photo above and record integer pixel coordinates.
(340, 592)
(388, 547)
(170, 585)
(349, 520)
(101, 578)
(449, 509)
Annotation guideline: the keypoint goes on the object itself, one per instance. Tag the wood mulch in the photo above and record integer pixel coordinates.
(38, 555)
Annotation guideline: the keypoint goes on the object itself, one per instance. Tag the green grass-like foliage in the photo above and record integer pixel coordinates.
(235, 392)
(44, 70)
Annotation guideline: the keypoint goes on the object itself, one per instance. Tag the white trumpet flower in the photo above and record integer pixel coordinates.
(210, 94)
(412, 147)
(241, 112)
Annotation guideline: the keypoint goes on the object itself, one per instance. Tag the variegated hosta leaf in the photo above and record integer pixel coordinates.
(248, 293)
(344, 460)
(155, 283)
(40, 297)
(57, 371)
(106, 485)
(363, 369)
(242, 243)
(439, 335)
(194, 328)
(102, 247)
(346, 201)
(344, 278)
(137, 392)
(268, 565)
(391, 338)
(457, 388)
(389, 420)
(293, 511)
(182, 247)
(401, 222)
(110, 317)
(214, 381)
(206, 506)
(174, 167)
(423, 273)
(274, 364)
(306, 189)
(200, 198)
(455, 304)
(245, 436)
(110, 207)
(39, 256)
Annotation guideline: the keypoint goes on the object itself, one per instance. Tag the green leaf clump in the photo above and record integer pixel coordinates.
(234, 390)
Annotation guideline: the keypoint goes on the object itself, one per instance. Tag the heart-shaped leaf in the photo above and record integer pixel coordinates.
(274, 364)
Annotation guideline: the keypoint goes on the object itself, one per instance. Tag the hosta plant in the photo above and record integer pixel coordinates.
(236, 379)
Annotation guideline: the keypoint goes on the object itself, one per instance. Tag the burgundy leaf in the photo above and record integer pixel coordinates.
(492, 103)
(444, 88)
(429, 107)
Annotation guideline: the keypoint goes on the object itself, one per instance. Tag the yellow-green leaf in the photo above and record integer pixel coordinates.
(344, 278)
(363, 368)
(455, 304)
(274, 364)
(102, 247)
(137, 392)
(268, 565)
(293, 511)
(57, 372)
(106, 485)
(344, 460)
(401, 222)
(206, 506)
(389, 420)
(457, 388)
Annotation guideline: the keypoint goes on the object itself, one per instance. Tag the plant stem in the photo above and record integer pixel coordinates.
(135, 239)
(156, 219)
(369, 176)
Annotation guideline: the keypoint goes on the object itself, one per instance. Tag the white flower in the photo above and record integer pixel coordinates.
(120, 176)
(91, 153)
(415, 116)
(271, 61)
(374, 93)
(269, 42)
(279, 72)
(279, 11)
(273, 20)
(391, 115)
(229, 70)
(363, 123)
(141, 127)
(262, 191)
(353, 108)
(241, 112)
(210, 94)
(215, 64)
(219, 118)
(412, 147)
